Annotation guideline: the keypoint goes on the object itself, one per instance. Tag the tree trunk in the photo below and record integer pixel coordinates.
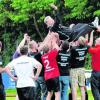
(37, 28)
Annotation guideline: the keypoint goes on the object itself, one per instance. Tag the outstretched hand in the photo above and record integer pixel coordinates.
(53, 6)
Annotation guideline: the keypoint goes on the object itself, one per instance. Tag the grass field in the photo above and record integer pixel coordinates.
(10, 98)
(12, 93)
(90, 95)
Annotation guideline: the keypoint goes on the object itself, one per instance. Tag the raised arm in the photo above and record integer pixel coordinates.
(58, 18)
(45, 42)
(98, 28)
(55, 40)
(22, 43)
(91, 39)
(87, 37)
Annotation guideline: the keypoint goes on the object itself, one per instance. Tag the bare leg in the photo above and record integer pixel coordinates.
(49, 95)
(57, 95)
(17, 97)
(82, 92)
(74, 92)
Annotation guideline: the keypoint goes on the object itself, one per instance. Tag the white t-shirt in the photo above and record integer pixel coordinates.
(24, 69)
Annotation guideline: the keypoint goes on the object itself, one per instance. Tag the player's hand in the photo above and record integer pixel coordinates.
(25, 36)
(53, 6)
(35, 77)
(14, 78)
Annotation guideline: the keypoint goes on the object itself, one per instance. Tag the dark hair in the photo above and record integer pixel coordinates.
(24, 50)
(65, 45)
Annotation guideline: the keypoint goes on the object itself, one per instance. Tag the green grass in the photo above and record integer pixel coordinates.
(13, 91)
(90, 96)
(10, 98)
(10, 94)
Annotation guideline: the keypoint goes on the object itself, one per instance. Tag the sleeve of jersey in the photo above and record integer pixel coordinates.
(92, 50)
(16, 55)
(57, 18)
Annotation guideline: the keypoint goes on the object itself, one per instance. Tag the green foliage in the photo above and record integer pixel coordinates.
(76, 8)
(88, 62)
(19, 16)
(81, 9)
(97, 13)
(8, 48)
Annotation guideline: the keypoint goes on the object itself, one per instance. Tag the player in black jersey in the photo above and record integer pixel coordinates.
(77, 72)
(63, 60)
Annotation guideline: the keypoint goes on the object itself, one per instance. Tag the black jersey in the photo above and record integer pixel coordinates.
(38, 58)
(78, 56)
(63, 60)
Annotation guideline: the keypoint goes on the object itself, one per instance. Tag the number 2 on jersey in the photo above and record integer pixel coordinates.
(47, 64)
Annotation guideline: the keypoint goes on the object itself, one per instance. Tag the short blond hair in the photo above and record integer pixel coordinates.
(32, 44)
(46, 18)
(82, 40)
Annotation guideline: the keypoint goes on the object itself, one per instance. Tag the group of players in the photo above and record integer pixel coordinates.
(48, 67)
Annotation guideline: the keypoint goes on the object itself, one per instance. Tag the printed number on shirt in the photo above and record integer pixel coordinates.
(48, 67)
(47, 64)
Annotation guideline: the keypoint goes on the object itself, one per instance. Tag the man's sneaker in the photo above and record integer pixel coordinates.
(96, 22)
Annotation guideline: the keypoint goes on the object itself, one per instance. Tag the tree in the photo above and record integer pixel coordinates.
(20, 16)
